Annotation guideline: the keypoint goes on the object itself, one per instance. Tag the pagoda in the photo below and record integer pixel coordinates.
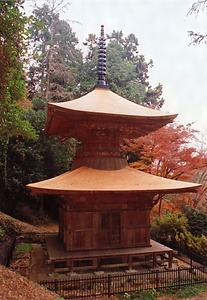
(104, 205)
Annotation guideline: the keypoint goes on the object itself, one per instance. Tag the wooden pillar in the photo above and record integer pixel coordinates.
(170, 257)
(154, 263)
(130, 262)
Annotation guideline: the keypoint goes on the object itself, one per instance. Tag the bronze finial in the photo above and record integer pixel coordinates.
(101, 68)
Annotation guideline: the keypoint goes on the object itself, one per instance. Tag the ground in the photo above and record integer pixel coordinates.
(14, 286)
(35, 267)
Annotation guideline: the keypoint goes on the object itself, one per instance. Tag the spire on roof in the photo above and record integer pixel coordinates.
(101, 68)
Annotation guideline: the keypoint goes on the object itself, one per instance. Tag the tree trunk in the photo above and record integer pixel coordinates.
(4, 179)
(160, 207)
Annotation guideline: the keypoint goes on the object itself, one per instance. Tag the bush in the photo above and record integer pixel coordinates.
(167, 227)
(174, 227)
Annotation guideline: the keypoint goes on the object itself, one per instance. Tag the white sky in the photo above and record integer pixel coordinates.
(161, 27)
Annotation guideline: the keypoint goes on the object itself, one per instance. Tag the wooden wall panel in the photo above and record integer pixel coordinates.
(83, 240)
(136, 228)
(104, 229)
(83, 230)
(137, 237)
(82, 220)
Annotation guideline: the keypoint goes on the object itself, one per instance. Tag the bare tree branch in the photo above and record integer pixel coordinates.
(197, 7)
(197, 38)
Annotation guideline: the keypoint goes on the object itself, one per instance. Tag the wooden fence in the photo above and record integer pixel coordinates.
(114, 284)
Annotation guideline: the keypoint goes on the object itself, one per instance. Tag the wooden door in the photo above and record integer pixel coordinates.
(110, 229)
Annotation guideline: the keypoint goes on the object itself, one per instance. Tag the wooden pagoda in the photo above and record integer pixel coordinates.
(104, 205)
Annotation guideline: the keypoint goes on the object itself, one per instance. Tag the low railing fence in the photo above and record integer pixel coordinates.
(193, 257)
(114, 284)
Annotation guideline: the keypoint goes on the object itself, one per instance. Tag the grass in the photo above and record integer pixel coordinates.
(23, 249)
(141, 295)
(184, 293)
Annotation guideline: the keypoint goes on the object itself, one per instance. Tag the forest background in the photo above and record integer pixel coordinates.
(41, 61)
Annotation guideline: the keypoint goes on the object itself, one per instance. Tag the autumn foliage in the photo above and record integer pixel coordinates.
(169, 152)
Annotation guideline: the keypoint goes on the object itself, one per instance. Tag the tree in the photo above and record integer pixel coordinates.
(197, 221)
(196, 8)
(35, 160)
(53, 72)
(167, 152)
(127, 70)
(198, 200)
(55, 57)
(12, 87)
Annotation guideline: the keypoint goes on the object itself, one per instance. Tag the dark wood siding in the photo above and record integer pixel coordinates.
(136, 228)
(104, 229)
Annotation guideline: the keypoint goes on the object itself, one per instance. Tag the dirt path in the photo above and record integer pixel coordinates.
(40, 269)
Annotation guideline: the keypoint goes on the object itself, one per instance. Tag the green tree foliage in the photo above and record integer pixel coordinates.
(127, 70)
(24, 160)
(51, 77)
(56, 60)
(12, 85)
(197, 221)
(35, 160)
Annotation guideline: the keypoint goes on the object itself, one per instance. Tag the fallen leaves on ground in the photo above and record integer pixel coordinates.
(14, 286)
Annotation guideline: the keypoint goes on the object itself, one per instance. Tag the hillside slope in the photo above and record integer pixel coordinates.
(14, 286)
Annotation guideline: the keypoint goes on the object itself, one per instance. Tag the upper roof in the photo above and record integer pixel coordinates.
(102, 106)
(125, 180)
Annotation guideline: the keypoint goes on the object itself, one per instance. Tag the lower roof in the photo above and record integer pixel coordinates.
(85, 179)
